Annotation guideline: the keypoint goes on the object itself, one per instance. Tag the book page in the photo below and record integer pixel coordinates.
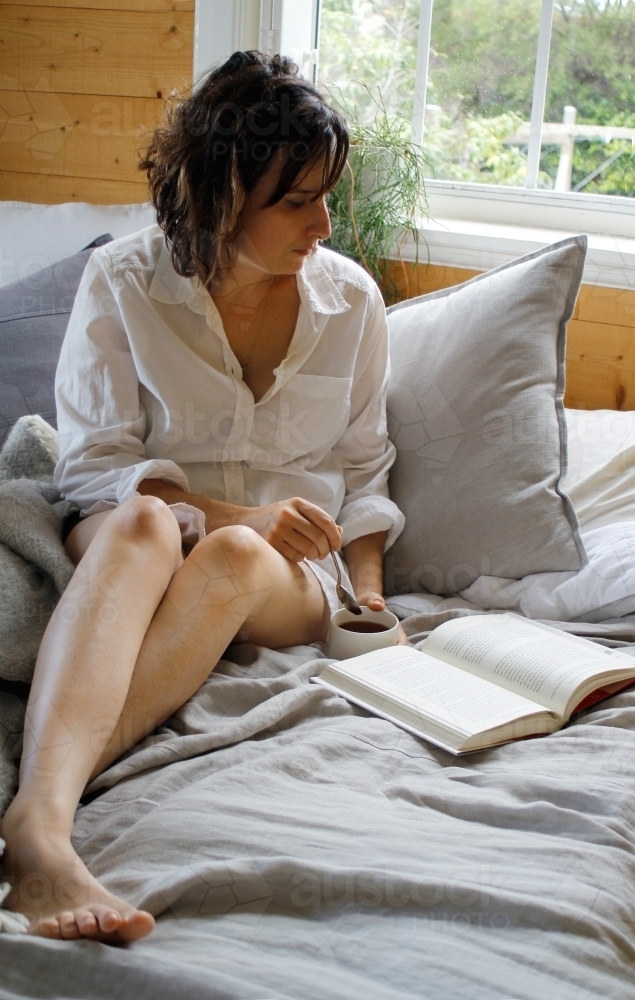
(438, 689)
(526, 657)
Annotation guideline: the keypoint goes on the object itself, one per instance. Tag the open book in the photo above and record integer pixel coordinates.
(482, 680)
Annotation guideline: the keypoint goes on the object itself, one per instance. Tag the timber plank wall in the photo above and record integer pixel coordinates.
(600, 336)
(81, 83)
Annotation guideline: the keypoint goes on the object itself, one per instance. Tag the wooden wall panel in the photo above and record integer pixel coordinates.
(600, 336)
(77, 51)
(615, 306)
(76, 135)
(49, 189)
(82, 84)
(419, 279)
(600, 366)
(152, 5)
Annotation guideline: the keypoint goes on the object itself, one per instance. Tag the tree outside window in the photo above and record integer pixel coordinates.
(480, 84)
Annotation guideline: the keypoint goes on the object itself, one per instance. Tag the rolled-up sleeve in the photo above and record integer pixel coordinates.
(364, 450)
(101, 421)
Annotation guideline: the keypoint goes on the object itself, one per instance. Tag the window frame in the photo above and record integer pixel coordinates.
(222, 26)
(477, 198)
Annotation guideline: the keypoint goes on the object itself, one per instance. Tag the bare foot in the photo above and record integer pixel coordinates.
(55, 890)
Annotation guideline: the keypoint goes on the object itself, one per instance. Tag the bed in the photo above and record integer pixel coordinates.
(291, 845)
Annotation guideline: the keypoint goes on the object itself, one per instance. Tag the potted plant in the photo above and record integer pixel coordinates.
(378, 201)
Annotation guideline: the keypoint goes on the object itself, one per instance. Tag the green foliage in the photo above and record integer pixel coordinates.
(481, 79)
(593, 60)
(473, 149)
(482, 57)
(380, 192)
(592, 67)
(370, 46)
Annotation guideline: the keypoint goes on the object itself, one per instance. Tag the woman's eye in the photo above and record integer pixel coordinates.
(295, 204)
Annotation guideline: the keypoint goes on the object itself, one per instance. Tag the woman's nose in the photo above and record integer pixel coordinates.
(320, 223)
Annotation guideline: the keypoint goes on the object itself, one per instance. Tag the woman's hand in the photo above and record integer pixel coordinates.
(296, 528)
(371, 600)
(375, 602)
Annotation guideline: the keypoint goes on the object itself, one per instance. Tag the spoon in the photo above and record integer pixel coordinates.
(343, 595)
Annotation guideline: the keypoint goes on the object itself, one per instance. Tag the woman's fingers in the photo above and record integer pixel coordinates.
(303, 534)
(296, 528)
(329, 535)
(372, 600)
(288, 551)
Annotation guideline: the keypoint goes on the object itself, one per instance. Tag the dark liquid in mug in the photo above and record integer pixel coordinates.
(364, 627)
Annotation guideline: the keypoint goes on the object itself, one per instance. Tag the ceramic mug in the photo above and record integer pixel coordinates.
(343, 644)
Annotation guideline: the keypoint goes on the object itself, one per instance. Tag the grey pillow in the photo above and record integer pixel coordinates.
(33, 319)
(475, 412)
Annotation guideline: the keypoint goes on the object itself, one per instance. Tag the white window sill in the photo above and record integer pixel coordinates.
(479, 227)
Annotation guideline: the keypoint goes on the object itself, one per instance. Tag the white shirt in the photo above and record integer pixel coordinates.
(147, 386)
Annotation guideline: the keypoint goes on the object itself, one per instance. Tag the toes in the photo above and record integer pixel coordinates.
(137, 925)
(68, 926)
(49, 927)
(101, 922)
(107, 918)
(87, 923)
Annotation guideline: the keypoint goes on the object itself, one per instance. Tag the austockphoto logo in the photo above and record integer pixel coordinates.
(426, 426)
(513, 427)
(37, 120)
(429, 578)
(278, 429)
(242, 895)
(262, 120)
(453, 902)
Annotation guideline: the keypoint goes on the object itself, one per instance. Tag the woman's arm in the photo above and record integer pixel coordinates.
(364, 449)
(295, 527)
(364, 557)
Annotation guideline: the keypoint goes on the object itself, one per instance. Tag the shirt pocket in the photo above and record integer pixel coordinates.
(314, 411)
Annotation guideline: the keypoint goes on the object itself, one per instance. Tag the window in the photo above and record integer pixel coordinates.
(534, 94)
(526, 108)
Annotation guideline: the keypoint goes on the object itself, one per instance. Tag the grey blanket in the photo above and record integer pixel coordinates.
(34, 567)
(293, 846)
(34, 570)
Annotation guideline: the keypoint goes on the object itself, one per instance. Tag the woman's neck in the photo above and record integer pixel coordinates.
(243, 283)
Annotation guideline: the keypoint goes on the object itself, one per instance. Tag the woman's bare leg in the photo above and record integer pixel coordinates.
(232, 585)
(167, 623)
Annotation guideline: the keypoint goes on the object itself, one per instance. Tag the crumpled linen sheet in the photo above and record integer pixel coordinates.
(294, 846)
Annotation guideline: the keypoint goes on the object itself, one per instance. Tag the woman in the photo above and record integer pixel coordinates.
(221, 407)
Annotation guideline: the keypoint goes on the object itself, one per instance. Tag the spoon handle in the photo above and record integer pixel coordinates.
(343, 595)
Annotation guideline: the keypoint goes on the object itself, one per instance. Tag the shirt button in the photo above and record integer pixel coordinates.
(234, 494)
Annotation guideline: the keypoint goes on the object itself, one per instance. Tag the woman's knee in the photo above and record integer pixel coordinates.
(148, 519)
(236, 545)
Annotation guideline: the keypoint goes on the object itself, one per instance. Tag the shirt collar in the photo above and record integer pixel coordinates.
(320, 291)
(168, 286)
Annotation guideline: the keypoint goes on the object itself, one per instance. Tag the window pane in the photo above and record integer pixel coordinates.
(481, 77)
(592, 74)
(368, 51)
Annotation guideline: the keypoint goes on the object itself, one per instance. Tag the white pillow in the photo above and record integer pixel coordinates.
(475, 412)
(601, 484)
(34, 236)
(600, 481)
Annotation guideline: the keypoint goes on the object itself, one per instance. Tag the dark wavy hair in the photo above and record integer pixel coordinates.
(217, 143)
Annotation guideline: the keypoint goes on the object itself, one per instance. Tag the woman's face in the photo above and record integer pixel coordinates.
(278, 239)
